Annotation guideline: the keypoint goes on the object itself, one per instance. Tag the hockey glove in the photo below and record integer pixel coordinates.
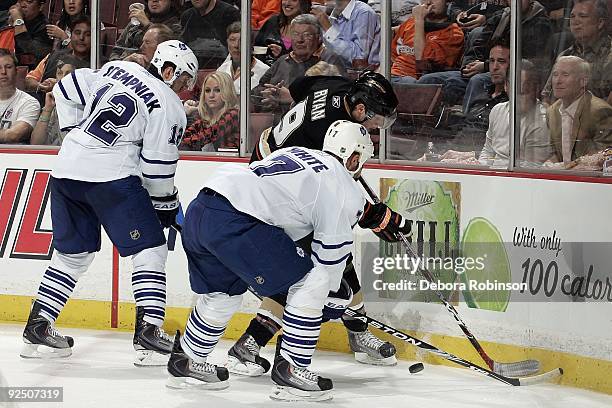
(384, 222)
(337, 302)
(167, 208)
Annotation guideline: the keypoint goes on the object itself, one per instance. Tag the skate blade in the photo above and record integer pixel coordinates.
(150, 358)
(248, 368)
(291, 394)
(365, 358)
(190, 383)
(44, 352)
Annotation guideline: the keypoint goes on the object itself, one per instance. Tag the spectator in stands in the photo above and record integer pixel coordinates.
(426, 42)
(32, 42)
(470, 14)
(204, 30)
(272, 93)
(261, 10)
(580, 123)
(275, 32)
(351, 32)
(535, 31)
(589, 21)
(534, 139)
(155, 34)
(60, 32)
(40, 80)
(18, 110)
(47, 130)
(479, 102)
(231, 65)
(218, 127)
(165, 12)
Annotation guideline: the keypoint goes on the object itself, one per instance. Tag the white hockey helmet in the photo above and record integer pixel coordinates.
(343, 138)
(180, 56)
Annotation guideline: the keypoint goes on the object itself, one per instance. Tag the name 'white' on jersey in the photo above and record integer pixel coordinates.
(123, 121)
(301, 191)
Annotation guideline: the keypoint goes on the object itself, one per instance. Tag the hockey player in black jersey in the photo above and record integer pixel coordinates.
(321, 100)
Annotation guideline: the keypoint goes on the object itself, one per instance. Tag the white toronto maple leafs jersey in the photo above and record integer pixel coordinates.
(301, 191)
(122, 121)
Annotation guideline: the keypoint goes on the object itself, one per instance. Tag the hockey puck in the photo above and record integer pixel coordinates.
(416, 368)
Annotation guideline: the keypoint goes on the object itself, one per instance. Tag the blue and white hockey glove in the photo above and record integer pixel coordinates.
(384, 222)
(167, 208)
(337, 302)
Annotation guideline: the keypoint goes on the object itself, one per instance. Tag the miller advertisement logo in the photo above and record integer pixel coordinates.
(432, 211)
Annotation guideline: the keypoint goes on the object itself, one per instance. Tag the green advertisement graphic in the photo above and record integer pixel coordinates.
(433, 209)
(482, 239)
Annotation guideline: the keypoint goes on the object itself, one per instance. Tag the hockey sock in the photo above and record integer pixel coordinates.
(262, 328)
(207, 323)
(54, 291)
(149, 283)
(149, 288)
(300, 336)
(59, 281)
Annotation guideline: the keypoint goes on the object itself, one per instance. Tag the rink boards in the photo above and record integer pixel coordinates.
(529, 213)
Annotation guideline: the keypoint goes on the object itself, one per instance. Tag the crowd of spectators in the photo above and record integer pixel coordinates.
(461, 47)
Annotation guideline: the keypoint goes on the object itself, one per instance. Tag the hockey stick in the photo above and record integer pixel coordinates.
(434, 350)
(516, 369)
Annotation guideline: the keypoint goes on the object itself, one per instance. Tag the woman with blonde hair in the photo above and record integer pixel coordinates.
(218, 126)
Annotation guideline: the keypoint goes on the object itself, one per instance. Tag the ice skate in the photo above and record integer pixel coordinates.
(244, 359)
(296, 383)
(42, 340)
(369, 349)
(152, 344)
(186, 373)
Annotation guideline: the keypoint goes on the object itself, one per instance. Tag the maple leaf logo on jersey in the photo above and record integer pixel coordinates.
(336, 101)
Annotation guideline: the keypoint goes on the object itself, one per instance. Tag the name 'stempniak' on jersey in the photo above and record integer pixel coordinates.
(135, 118)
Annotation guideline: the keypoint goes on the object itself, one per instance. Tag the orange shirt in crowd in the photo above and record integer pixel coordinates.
(261, 10)
(442, 47)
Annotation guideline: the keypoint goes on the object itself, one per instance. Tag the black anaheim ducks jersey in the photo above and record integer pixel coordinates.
(321, 104)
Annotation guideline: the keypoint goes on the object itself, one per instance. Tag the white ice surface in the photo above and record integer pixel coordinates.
(100, 374)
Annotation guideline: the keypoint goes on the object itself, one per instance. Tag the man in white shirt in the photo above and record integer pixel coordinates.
(231, 65)
(18, 110)
(534, 140)
(580, 123)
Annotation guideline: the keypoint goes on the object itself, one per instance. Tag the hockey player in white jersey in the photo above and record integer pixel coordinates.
(115, 169)
(241, 230)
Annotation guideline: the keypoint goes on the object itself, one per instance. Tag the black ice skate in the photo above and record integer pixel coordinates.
(152, 344)
(369, 349)
(243, 358)
(186, 373)
(42, 340)
(297, 384)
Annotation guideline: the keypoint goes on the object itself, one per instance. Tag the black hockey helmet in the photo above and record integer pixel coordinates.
(376, 93)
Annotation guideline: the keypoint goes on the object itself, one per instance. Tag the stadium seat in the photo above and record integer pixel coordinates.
(418, 103)
(108, 40)
(108, 13)
(22, 71)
